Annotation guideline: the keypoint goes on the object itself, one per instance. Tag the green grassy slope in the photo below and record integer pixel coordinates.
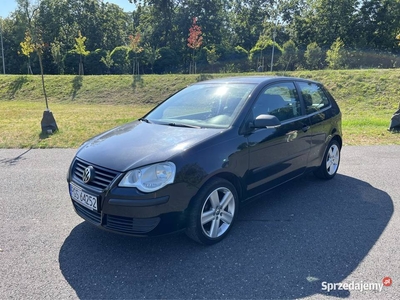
(367, 99)
(376, 88)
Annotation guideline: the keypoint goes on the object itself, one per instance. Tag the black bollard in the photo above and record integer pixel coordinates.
(48, 123)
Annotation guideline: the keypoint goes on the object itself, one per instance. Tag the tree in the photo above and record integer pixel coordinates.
(107, 61)
(161, 17)
(333, 18)
(39, 48)
(120, 56)
(245, 19)
(335, 56)
(212, 55)
(167, 61)
(367, 27)
(55, 49)
(134, 44)
(27, 48)
(289, 55)
(262, 50)
(314, 56)
(376, 24)
(151, 55)
(80, 49)
(194, 42)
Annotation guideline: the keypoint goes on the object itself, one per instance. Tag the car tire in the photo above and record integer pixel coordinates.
(330, 162)
(213, 212)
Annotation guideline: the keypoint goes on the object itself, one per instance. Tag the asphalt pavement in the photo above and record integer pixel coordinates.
(297, 241)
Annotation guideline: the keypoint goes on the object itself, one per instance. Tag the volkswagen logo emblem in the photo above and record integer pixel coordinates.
(88, 174)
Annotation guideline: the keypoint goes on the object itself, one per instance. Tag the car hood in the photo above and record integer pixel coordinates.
(138, 143)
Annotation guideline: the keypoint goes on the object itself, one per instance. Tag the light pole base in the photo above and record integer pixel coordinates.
(49, 125)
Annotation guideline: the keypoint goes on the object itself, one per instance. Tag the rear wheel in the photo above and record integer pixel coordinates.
(213, 212)
(330, 163)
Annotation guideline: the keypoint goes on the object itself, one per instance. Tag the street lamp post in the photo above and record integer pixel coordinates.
(2, 48)
(273, 49)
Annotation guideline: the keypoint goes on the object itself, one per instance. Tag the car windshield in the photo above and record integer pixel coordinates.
(207, 105)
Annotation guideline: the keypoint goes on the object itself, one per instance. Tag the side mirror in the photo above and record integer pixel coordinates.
(266, 121)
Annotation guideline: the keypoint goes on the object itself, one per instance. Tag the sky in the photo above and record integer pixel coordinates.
(8, 6)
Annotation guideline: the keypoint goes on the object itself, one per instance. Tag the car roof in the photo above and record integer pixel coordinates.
(253, 79)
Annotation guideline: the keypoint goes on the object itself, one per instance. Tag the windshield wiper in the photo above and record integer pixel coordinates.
(182, 125)
(145, 120)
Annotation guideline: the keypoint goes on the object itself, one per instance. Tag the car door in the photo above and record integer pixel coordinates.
(317, 107)
(277, 154)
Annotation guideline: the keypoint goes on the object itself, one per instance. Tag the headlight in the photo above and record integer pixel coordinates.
(150, 178)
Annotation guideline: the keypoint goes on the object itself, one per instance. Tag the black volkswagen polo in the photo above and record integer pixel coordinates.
(194, 159)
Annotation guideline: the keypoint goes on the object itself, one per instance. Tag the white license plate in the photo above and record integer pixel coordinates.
(83, 198)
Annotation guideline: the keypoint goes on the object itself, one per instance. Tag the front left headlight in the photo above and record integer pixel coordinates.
(150, 178)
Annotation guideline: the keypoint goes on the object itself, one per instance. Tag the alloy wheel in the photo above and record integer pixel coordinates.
(217, 212)
(332, 159)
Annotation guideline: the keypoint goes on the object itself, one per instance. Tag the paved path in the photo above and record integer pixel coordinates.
(306, 233)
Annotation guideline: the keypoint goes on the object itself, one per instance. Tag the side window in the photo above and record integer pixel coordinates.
(280, 100)
(314, 97)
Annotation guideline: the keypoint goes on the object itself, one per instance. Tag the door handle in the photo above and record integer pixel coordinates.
(305, 128)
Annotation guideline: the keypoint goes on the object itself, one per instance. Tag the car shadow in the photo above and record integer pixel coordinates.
(308, 231)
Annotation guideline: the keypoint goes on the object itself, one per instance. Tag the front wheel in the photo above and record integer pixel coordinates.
(330, 163)
(213, 212)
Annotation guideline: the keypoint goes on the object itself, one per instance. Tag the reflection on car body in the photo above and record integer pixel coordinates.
(191, 161)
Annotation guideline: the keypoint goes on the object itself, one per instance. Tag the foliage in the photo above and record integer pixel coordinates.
(314, 56)
(261, 53)
(80, 49)
(57, 55)
(120, 56)
(107, 60)
(151, 55)
(335, 56)
(93, 65)
(167, 61)
(289, 55)
(195, 40)
(366, 27)
(134, 43)
(212, 55)
(27, 46)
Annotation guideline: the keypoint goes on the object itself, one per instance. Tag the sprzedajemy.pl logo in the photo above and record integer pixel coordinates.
(356, 286)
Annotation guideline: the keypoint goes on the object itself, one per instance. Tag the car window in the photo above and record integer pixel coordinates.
(314, 97)
(203, 105)
(280, 100)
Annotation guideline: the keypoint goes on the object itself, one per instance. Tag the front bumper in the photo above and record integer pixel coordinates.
(132, 226)
(127, 210)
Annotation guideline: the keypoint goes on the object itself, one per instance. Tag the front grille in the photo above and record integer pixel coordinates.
(103, 177)
(117, 223)
(87, 214)
(130, 225)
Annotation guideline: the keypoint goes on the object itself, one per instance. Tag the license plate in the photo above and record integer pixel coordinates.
(85, 199)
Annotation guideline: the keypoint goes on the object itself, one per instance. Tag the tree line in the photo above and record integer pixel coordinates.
(189, 36)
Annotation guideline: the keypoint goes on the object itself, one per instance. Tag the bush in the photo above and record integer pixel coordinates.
(120, 56)
(93, 64)
(167, 61)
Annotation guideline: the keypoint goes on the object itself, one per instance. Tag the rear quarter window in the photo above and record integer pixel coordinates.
(314, 97)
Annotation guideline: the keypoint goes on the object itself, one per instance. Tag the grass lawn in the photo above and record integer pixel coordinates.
(20, 123)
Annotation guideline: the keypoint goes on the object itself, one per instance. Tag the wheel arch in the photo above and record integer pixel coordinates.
(230, 177)
(337, 137)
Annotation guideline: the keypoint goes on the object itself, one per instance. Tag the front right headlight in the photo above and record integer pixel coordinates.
(150, 178)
